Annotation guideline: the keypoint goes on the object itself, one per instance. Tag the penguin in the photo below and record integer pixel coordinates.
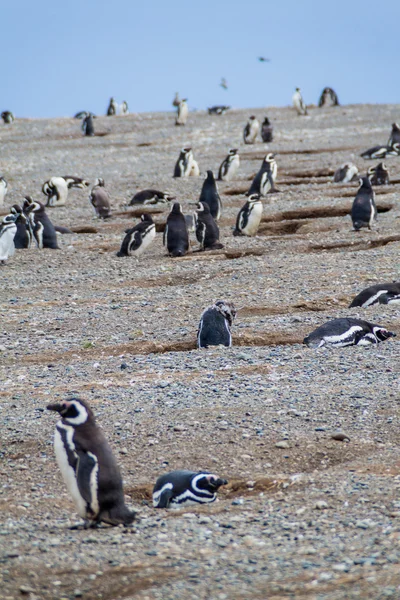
(23, 235)
(138, 238)
(100, 200)
(182, 113)
(383, 293)
(87, 125)
(328, 98)
(124, 108)
(8, 229)
(218, 110)
(76, 182)
(229, 165)
(249, 217)
(183, 488)
(3, 190)
(194, 171)
(151, 197)
(251, 130)
(394, 150)
(298, 102)
(41, 227)
(207, 231)
(394, 136)
(56, 190)
(185, 164)
(376, 152)
(7, 117)
(378, 175)
(112, 108)
(82, 114)
(346, 173)
(215, 325)
(176, 101)
(209, 195)
(363, 211)
(266, 131)
(176, 235)
(88, 466)
(191, 222)
(264, 181)
(347, 332)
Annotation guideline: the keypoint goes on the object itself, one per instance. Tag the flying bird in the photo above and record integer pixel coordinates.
(263, 59)
(224, 83)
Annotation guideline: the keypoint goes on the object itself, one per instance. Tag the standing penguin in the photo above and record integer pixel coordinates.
(183, 488)
(41, 227)
(229, 165)
(207, 231)
(3, 190)
(88, 466)
(138, 238)
(209, 195)
(249, 217)
(176, 101)
(250, 132)
(264, 181)
(328, 98)
(8, 229)
(176, 235)
(378, 175)
(298, 102)
(394, 136)
(112, 108)
(100, 200)
(363, 211)
(215, 325)
(23, 235)
(182, 112)
(7, 117)
(185, 165)
(56, 190)
(124, 108)
(346, 173)
(266, 131)
(87, 125)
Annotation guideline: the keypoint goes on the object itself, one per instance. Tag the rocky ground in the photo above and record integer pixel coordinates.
(304, 515)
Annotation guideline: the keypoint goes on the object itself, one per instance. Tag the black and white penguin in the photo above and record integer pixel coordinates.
(249, 217)
(382, 293)
(8, 229)
(264, 181)
(124, 108)
(112, 108)
(100, 200)
(378, 175)
(394, 136)
(207, 231)
(151, 197)
(186, 166)
(215, 325)
(23, 235)
(56, 190)
(346, 173)
(138, 238)
(328, 98)
(82, 114)
(183, 488)
(347, 332)
(88, 466)
(87, 125)
(267, 131)
(7, 117)
(376, 152)
(176, 101)
(250, 132)
(363, 211)
(40, 225)
(209, 195)
(176, 235)
(218, 110)
(298, 102)
(393, 150)
(229, 165)
(76, 182)
(182, 112)
(3, 190)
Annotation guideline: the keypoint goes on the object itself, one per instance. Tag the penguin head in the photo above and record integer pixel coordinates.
(176, 208)
(210, 176)
(395, 127)
(233, 151)
(382, 334)
(146, 218)
(365, 183)
(371, 171)
(254, 198)
(298, 90)
(74, 411)
(16, 209)
(269, 157)
(202, 207)
(186, 150)
(10, 219)
(266, 121)
(252, 118)
(99, 182)
(227, 309)
(31, 205)
(210, 482)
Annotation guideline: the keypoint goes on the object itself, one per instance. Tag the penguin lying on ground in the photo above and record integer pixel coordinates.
(298, 102)
(84, 113)
(382, 293)
(138, 238)
(7, 117)
(186, 166)
(40, 225)
(347, 332)
(3, 190)
(328, 98)
(382, 151)
(23, 235)
(76, 182)
(151, 197)
(209, 195)
(266, 131)
(100, 200)
(8, 229)
(215, 325)
(346, 173)
(182, 113)
(176, 235)
(218, 110)
(183, 488)
(264, 181)
(251, 130)
(88, 466)
(378, 175)
(229, 165)
(249, 217)
(363, 211)
(207, 231)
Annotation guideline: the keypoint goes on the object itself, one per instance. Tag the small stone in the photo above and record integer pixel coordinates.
(365, 523)
(321, 505)
(283, 444)
(123, 451)
(237, 502)
(179, 428)
(340, 436)
(26, 589)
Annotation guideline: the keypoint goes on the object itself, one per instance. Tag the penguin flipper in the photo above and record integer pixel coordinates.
(164, 498)
(165, 233)
(86, 474)
(136, 241)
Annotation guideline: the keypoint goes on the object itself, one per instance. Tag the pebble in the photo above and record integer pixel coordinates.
(283, 444)
(321, 505)
(340, 436)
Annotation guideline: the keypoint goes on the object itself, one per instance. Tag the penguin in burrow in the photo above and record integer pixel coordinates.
(182, 488)
(215, 325)
(138, 238)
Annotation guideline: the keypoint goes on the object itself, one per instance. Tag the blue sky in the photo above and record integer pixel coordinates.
(62, 57)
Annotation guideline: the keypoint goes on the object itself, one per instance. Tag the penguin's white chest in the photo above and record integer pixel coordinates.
(254, 219)
(7, 247)
(146, 240)
(68, 473)
(3, 192)
(232, 168)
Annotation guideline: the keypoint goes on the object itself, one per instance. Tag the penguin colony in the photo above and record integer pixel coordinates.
(85, 459)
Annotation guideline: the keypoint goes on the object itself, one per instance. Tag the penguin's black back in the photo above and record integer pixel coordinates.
(266, 131)
(176, 236)
(214, 329)
(381, 293)
(209, 195)
(207, 231)
(363, 205)
(88, 125)
(255, 187)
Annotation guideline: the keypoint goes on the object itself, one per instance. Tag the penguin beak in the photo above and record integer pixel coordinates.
(218, 482)
(55, 407)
